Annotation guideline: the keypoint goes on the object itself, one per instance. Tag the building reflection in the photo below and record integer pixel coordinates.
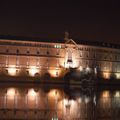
(56, 104)
(108, 105)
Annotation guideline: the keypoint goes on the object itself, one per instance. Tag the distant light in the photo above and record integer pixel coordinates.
(55, 72)
(80, 68)
(12, 70)
(105, 94)
(117, 75)
(11, 93)
(33, 70)
(79, 100)
(94, 99)
(57, 46)
(87, 99)
(32, 94)
(72, 102)
(54, 93)
(95, 70)
(106, 75)
(117, 94)
(66, 102)
(88, 69)
(54, 118)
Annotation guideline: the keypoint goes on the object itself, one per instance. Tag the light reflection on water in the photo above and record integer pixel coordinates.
(108, 105)
(80, 104)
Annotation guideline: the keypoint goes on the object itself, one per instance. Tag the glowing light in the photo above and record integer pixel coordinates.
(117, 75)
(88, 69)
(80, 68)
(33, 70)
(94, 99)
(72, 102)
(79, 100)
(105, 94)
(105, 98)
(32, 93)
(55, 73)
(55, 118)
(12, 70)
(95, 70)
(57, 46)
(117, 94)
(66, 102)
(54, 93)
(11, 93)
(66, 65)
(106, 75)
(87, 99)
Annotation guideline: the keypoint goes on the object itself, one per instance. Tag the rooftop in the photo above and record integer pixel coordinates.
(83, 42)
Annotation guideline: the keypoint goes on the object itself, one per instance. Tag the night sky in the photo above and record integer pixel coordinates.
(86, 20)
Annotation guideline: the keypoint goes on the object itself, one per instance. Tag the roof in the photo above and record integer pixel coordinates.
(83, 42)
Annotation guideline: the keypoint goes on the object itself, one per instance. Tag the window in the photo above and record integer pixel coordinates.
(6, 71)
(38, 52)
(17, 61)
(87, 55)
(17, 71)
(115, 57)
(7, 50)
(94, 55)
(57, 46)
(28, 52)
(48, 52)
(17, 51)
(80, 54)
(57, 74)
(58, 52)
(27, 72)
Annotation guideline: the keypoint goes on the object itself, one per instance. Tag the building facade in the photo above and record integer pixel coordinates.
(34, 74)
(25, 58)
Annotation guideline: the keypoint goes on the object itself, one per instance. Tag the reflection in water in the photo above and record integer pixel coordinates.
(57, 104)
(108, 105)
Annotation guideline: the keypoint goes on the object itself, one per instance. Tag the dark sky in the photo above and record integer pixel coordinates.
(87, 20)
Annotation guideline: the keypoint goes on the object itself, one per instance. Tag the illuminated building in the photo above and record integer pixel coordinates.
(29, 70)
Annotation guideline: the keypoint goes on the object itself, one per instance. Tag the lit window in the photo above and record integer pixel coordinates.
(57, 46)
